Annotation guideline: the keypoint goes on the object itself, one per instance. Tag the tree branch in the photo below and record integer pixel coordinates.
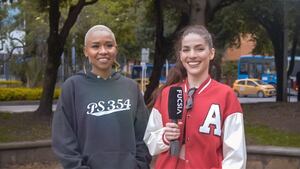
(16, 39)
(74, 11)
(10, 54)
(90, 2)
(54, 16)
(215, 5)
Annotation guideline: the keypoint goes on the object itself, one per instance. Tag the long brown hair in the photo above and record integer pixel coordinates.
(178, 72)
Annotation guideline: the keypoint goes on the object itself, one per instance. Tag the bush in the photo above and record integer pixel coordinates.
(10, 83)
(10, 94)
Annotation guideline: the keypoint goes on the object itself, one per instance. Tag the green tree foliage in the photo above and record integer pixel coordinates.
(3, 13)
(56, 18)
(229, 70)
(59, 29)
(265, 20)
(28, 67)
(120, 16)
(228, 26)
(187, 12)
(30, 70)
(36, 28)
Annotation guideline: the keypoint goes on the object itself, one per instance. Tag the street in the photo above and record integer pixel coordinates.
(267, 99)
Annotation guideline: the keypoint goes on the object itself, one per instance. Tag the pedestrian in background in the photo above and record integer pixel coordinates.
(101, 115)
(211, 131)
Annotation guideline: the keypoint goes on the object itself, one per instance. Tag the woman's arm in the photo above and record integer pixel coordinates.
(234, 146)
(64, 142)
(142, 154)
(154, 136)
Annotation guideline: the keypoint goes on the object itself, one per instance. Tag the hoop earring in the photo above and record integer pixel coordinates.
(86, 65)
(116, 65)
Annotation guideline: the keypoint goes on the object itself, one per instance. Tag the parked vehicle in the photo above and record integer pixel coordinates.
(263, 68)
(137, 74)
(259, 67)
(254, 87)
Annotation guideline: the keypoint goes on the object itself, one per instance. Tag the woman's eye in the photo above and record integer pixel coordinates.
(95, 46)
(199, 49)
(185, 50)
(109, 45)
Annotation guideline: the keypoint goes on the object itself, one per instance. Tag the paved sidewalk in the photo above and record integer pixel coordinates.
(21, 106)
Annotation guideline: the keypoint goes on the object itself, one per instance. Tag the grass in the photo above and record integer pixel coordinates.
(23, 127)
(263, 135)
(265, 124)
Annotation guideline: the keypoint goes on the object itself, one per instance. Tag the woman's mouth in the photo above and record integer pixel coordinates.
(103, 60)
(193, 63)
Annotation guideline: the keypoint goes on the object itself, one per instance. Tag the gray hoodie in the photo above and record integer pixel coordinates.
(100, 124)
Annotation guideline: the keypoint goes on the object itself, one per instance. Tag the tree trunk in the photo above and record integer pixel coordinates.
(159, 58)
(50, 76)
(275, 31)
(198, 12)
(293, 50)
(277, 40)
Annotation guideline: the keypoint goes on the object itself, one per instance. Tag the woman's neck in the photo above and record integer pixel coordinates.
(102, 74)
(196, 81)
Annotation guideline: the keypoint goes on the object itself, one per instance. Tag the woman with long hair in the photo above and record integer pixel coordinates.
(211, 131)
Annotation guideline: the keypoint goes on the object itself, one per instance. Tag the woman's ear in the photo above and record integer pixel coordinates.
(85, 53)
(117, 50)
(212, 54)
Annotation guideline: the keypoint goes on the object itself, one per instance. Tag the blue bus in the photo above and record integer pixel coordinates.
(259, 67)
(136, 71)
(263, 67)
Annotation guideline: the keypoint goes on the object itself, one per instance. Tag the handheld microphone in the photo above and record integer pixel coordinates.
(175, 109)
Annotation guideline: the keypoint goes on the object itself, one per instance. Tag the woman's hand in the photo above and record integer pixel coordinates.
(172, 131)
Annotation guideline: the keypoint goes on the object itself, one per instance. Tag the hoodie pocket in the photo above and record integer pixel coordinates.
(112, 160)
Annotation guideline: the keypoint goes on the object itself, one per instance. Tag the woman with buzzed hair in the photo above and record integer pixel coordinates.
(101, 116)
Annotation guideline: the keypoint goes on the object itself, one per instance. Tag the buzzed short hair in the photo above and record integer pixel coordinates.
(99, 28)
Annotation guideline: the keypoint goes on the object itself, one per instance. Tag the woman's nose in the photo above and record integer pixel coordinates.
(192, 53)
(102, 50)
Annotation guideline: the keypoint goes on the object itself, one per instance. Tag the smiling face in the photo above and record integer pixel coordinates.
(101, 50)
(195, 55)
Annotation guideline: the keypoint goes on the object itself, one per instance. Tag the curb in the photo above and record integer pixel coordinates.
(25, 145)
(274, 150)
(251, 149)
(40, 151)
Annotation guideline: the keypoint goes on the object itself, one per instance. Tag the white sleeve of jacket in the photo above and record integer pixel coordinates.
(234, 146)
(154, 133)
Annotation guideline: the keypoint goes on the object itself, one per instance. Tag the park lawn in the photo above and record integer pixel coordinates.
(263, 135)
(265, 124)
(23, 127)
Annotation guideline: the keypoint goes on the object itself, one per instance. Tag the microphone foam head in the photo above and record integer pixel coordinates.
(175, 103)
